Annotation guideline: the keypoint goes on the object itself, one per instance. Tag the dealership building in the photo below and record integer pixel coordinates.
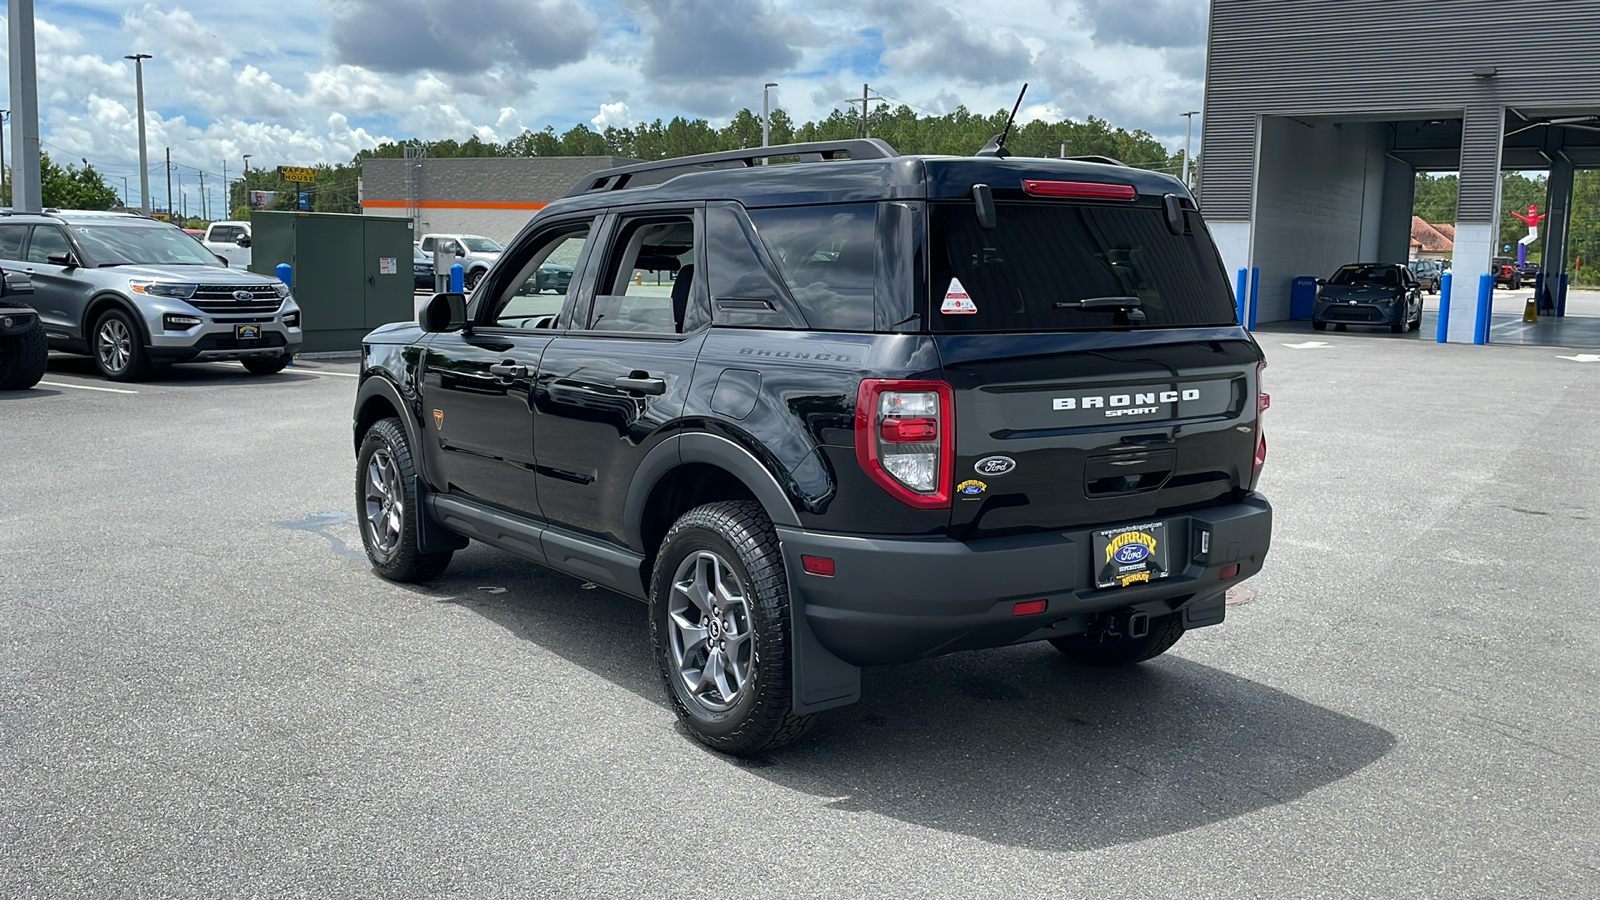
(492, 196)
(1319, 113)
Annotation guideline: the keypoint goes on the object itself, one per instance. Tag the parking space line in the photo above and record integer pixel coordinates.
(85, 387)
(340, 374)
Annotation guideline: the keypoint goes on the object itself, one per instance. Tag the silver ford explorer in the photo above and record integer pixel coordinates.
(133, 293)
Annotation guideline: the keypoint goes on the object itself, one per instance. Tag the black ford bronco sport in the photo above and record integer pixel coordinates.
(852, 410)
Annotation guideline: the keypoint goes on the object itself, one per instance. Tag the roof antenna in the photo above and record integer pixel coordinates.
(997, 144)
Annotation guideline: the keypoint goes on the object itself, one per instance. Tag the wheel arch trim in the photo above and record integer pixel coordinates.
(698, 447)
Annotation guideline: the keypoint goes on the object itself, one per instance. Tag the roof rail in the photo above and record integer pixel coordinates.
(622, 177)
(1099, 159)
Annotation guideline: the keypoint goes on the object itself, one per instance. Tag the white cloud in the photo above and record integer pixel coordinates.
(612, 115)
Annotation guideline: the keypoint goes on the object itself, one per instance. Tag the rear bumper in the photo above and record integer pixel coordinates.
(893, 601)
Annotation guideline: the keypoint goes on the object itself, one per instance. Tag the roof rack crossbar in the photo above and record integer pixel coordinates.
(818, 151)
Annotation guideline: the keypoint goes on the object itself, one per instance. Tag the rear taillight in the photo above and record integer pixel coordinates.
(1263, 403)
(905, 438)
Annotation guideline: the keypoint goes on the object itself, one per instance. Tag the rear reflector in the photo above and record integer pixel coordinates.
(1082, 190)
(1228, 571)
(1030, 607)
(821, 565)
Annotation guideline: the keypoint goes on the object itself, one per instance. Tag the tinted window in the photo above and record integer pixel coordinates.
(539, 291)
(1041, 260)
(11, 241)
(1382, 276)
(47, 239)
(828, 256)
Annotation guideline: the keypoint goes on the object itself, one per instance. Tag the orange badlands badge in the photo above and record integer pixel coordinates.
(438, 418)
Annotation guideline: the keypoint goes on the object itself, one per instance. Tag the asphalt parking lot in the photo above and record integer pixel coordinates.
(205, 692)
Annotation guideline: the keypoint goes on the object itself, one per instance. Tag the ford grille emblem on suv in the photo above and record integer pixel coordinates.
(995, 465)
(243, 295)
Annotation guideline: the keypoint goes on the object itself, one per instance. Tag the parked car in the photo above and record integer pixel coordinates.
(845, 428)
(1529, 272)
(23, 353)
(1428, 273)
(1369, 294)
(1506, 272)
(230, 241)
(475, 252)
(133, 292)
(422, 269)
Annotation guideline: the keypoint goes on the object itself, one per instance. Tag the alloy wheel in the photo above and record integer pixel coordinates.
(712, 646)
(385, 501)
(114, 345)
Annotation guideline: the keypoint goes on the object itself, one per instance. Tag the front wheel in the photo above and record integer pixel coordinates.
(119, 347)
(1108, 650)
(469, 282)
(386, 496)
(720, 629)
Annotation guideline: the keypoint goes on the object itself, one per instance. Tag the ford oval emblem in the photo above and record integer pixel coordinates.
(243, 295)
(1128, 554)
(995, 465)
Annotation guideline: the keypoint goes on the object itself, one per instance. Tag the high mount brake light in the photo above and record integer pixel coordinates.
(905, 439)
(1080, 190)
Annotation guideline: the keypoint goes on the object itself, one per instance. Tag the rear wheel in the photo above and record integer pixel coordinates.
(266, 365)
(23, 359)
(386, 496)
(119, 347)
(719, 626)
(1106, 650)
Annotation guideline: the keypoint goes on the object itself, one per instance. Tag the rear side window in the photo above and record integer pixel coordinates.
(11, 241)
(1041, 260)
(828, 256)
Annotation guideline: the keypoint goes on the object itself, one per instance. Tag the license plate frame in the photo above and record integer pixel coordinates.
(248, 332)
(1130, 554)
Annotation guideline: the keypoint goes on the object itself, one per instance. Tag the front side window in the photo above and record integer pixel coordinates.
(1042, 264)
(649, 273)
(828, 257)
(48, 239)
(539, 290)
(139, 243)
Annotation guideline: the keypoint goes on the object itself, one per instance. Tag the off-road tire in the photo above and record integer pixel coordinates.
(23, 358)
(265, 365)
(132, 362)
(1121, 651)
(740, 533)
(401, 562)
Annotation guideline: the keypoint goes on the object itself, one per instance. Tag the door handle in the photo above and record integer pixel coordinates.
(641, 383)
(509, 370)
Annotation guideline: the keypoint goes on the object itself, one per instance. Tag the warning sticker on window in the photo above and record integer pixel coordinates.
(957, 302)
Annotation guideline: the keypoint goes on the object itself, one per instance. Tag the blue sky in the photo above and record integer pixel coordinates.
(297, 82)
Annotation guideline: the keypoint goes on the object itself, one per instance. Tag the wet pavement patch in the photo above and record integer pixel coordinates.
(319, 523)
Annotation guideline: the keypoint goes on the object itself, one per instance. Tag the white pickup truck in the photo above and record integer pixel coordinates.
(474, 252)
(231, 241)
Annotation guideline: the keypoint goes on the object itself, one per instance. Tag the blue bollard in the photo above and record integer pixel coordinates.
(1561, 297)
(1480, 328)
(1238, 293)
(1443, 333)
(1255, 288)
(285, 274)
(455, 278)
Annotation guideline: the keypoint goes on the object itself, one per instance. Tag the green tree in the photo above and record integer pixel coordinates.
(69, 187)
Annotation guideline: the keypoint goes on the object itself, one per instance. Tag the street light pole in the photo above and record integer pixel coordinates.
(244, 181)
(766, 115)
(144, 163)
(1188, 133)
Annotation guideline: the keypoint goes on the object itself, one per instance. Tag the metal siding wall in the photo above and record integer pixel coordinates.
(1378, 57)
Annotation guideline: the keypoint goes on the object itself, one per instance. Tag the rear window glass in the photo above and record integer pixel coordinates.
(1041, 260)
(827, 255)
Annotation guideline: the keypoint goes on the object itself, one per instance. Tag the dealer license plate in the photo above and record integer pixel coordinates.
(1132, 554)
(247, 332)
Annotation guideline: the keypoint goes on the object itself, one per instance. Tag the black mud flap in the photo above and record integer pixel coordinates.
(821, 680)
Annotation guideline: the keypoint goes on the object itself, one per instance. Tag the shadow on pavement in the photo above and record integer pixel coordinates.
(1017, 746)
(179, 375)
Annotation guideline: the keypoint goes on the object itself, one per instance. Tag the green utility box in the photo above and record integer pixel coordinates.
(349, 273)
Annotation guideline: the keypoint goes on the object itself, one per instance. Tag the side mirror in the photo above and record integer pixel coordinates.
(1321, 282)
(445, 312)
(243, 241)
(62, 258)
(460, 253)
(221, 259)
(983, 199)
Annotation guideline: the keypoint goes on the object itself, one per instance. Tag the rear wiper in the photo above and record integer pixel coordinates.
(1111, 303)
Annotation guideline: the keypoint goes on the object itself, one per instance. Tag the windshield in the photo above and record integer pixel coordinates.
(418, 256)
(481, 245)
(147, 243)
(1382, 276)
(1039, 266)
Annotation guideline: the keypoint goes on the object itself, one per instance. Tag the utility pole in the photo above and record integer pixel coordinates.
(227, 193)
(1188, 132)
(866, 97)
(205, 204)
(183, 199)
(144, 170)
(124, 193)
(26, 190)
(169, 184)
